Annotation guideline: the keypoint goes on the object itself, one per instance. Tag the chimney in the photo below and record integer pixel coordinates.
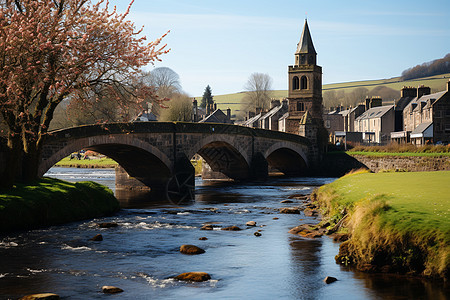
(215, 106)
(423, 90)
(367, 103)
(448, 85)
(376, 101)
(286, 102)
(274, 103)
(208, 109)
(228, 114)
(195, 110)
(251, 114)
(408, 92)
(258, 110)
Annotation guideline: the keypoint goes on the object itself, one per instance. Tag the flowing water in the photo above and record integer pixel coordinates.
(142, 255)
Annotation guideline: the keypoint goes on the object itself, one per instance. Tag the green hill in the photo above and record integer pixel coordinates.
(436, 83)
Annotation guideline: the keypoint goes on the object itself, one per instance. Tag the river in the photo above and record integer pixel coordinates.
(142, 253)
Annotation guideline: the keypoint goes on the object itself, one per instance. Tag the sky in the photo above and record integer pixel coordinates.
(221, 43)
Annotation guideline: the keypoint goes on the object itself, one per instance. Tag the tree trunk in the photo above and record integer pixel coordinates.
(30, 165)
(12, 162)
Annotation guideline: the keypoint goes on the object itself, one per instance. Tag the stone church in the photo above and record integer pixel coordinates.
(305, 86)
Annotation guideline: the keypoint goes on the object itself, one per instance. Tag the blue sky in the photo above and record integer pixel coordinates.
(221, 43)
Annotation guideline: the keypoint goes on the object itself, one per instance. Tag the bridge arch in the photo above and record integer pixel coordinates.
(223, 155)
(287, 157)
(140, 159)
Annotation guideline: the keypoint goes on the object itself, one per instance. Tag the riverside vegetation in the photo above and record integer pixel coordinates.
(397, 222)
(49, 201)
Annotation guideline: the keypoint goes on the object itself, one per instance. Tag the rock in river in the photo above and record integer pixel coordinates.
(194, 276)
(46, 296)
(329, 279)
(251, 223)
(107, 289)
(191, 249)
(290, 210)
(232, 228)
(108, 224)
(207, 227)
(97, 238)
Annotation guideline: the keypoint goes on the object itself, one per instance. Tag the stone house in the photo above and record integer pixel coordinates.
(270, 119)
(376, 124)
(427, 117)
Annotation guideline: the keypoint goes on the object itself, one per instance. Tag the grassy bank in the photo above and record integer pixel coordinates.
(397, 222)
(51, 201)
(104, 162)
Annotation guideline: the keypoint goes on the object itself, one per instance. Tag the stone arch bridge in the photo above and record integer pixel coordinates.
(158, 153)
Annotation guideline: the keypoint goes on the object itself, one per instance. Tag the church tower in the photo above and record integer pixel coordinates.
(305, 84)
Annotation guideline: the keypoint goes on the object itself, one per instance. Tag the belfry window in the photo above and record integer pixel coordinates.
(295, 83)
(300, 106)
(304, 83)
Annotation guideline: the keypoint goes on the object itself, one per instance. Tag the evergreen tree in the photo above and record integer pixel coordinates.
(207, 97)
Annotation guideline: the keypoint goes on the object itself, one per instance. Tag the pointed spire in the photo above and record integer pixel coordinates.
(305, 46)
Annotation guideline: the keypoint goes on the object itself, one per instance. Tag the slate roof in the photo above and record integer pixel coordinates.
(375, 112)
(218, 116)
(252, 120)
(425, 98)
(421, 127)
(306, 45)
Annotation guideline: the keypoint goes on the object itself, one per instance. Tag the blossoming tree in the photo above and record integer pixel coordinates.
(54, 49)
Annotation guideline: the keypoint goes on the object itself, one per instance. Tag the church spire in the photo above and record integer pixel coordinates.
(305, 54)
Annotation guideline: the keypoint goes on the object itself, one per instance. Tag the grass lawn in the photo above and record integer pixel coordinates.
(50, 201)
(90, 163)
(404, 217)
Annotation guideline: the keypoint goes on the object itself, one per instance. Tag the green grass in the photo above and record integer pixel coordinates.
(436, 83)
(91, 163)
(51, 201)
(398, 219)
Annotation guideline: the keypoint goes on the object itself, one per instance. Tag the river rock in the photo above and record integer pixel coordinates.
(257, 234)
(287, 201)
(275, 218)
(97, 238)
(329, 279)
(290, 210)
(46, 296)
(108, 224)
(207, 227)
(310, 212)
(108, 289)
(251, 223)
(232, 228)
(203, 238)
(191, 249)
(193, 276)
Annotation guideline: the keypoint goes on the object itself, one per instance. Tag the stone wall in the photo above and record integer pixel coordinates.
(404, 163)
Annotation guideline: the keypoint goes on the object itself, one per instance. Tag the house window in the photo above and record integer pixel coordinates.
(300, 106)
(295, 83)
(303, 83)
(327, 124)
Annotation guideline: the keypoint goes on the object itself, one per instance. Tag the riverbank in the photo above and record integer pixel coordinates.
(397, 222)
(51, 201)
(104, 163)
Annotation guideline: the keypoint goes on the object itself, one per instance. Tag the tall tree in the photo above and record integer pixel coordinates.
(165, 80)
(207, 97)
(53, 49)
(179, 109)
(258, 91)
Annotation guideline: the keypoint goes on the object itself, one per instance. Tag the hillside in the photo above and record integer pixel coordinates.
(436, 83)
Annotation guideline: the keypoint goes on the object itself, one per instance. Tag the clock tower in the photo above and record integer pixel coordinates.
(305, 84)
